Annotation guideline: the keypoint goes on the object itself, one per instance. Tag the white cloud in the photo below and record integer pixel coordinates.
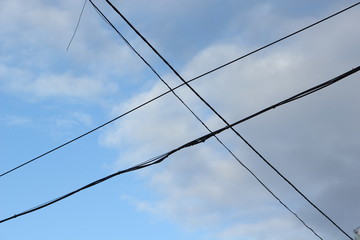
(270, 229)
(83, 118)
(199, 175)
(13, 120)
(75, 119)
(68, 85)
(34, 60)
(312, 141)
(16, 80)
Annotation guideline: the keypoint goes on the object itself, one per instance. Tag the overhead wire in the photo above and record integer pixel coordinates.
(77, 25)
(276, 41)
(169, 91)
(225, 121)
(194, 142)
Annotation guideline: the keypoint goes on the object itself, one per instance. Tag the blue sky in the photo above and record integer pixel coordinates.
(49, 95)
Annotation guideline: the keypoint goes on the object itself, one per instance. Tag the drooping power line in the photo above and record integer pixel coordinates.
(197, 141)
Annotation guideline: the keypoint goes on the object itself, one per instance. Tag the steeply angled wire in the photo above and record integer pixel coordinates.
(77, 26)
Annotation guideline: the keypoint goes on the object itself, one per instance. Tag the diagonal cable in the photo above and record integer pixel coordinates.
(77, 25)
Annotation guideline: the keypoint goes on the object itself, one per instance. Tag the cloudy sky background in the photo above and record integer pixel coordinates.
(50, 95)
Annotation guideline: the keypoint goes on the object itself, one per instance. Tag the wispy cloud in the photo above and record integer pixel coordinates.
(204, 186)
(68, 85)
(314, 142)
(34, 60)
(13, 120)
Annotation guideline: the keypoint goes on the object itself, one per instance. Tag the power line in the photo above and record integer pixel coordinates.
(194, 142)
(276, 41)
(198, 118)
(167, 92)
(148, 163)
(223, 119)
(77, 25)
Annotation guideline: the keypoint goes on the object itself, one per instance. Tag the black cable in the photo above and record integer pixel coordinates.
(223, 119)
(165, 93)
(199, 140)
(148, 163)
(293, 98)
(198, 118)
(275, 42)
(77, 25)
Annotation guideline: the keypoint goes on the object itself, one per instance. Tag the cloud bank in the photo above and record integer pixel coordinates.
(313, 141)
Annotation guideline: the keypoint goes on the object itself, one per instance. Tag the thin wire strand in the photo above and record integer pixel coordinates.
(223, 119)
(77, 26)
(198, 118)
(167, 92)
(276, 41)
(194, 142)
